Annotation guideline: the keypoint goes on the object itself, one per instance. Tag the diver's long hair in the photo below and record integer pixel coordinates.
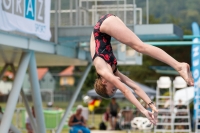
(100, 88)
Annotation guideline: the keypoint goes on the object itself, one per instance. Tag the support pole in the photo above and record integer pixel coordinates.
(70, 15)
(87, 13)
(59, 13)
(33, 124)
(134, 15)
(71, 103)
(12, 127)
(14, 94)
(36, 95)
(77, 13)
(147, 11)
(56, 23)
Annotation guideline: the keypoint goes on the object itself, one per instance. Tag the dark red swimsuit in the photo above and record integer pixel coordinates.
(103, 46)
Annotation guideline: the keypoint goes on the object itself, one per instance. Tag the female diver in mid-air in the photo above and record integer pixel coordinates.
(110, 78)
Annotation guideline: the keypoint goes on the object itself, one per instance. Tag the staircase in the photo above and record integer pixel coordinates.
(182, 122)
(163, 103)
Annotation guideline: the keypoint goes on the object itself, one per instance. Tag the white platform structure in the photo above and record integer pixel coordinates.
(165, 117)
(174, 113)
(181, 115)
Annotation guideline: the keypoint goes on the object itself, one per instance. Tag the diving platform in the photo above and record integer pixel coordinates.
(46, 53)
(144, 32)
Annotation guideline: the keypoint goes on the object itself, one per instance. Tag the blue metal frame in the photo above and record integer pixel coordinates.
(36, 94)
(71, 103)
(13, 97)
(173, 43)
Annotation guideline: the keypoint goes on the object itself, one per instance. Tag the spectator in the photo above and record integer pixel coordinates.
(114, 109)
(77, 122)
(106, 115)
(105, 119)
(28, 123)
(180, 105)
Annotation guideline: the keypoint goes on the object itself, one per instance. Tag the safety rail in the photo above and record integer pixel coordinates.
(87, 12)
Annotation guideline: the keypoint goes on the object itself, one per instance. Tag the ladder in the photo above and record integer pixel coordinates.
(165, 117)
(182, 122)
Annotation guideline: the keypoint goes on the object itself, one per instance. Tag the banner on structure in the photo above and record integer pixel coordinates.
(27, 16)
(196, 67)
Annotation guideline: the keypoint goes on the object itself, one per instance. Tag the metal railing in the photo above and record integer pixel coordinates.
(87, 12)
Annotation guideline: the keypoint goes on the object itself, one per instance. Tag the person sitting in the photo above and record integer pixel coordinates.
(77, 122)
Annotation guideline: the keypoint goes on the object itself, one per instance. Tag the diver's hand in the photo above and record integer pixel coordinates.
(154, 111)
(150, 116)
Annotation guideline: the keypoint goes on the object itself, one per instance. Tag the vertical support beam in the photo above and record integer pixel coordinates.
(87, 13)
(71, 103)
(134, 15)
(80, 12)
(125, 17)
(33, 124)
(59, 13)
(37, 100)
(3, 70)
(12, 127)
(95, 12)
(140, 16)
(147, 11)
(77, 12)
(56, 22)
(70, 15)
(13, 97)
(117, 7)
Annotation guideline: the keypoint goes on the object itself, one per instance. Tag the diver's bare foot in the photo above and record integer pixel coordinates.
(184, 71)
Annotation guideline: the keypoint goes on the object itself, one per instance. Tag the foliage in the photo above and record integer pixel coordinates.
(179, 12)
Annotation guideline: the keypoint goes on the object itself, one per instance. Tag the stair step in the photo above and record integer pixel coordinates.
(163, 130)
(164, 110)
(181, 117)
(183, 130)
(165, 117)
(159, 103)
(176, 117)
(164, 124)
(182, 123)
(163, 97)
(182, 110)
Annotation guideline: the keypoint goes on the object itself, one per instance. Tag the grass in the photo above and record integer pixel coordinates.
(98, 131)
(93, 120)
